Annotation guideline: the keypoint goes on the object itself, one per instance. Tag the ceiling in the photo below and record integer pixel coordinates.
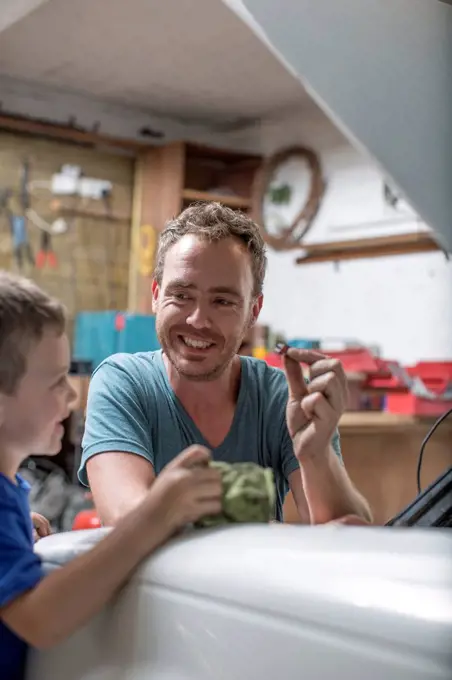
(190, 59)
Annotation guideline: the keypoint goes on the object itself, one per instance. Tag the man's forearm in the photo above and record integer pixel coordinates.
(329, 491)
(111, 513)
(119, 481)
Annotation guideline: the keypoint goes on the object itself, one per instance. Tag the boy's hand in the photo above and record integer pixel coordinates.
(186, 490)
(41, 526)
(67, 598)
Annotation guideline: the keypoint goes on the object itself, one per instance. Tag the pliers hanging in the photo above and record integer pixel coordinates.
(46, 254)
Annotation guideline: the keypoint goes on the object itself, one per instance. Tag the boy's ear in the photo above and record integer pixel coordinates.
(2, 408)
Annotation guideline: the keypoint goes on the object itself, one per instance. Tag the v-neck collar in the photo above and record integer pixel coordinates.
(188, 420)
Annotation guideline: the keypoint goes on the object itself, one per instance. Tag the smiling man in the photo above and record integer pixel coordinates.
(144, 409)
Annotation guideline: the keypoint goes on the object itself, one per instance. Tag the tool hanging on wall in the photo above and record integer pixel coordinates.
(70, 182)
(21, 245)
(5, 242)
(46, 254)
(16, 205)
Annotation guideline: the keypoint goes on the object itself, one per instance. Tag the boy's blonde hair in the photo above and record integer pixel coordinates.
(26, 312)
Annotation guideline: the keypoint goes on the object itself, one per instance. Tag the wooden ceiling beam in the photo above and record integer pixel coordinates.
(48, 130)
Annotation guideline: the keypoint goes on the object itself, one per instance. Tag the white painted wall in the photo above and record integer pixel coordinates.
(403, 304)
(383, 72)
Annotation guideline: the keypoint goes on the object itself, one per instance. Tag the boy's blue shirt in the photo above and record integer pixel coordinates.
(20, 568)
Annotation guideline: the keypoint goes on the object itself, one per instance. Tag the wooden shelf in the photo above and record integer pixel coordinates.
(92, 215)
(201, 152)
(48, 130)
(231, 201)
(168, 179)
(404, 244)
(382, 421)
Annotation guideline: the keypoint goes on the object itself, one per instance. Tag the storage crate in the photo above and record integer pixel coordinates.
(434, 376)
(98, 335)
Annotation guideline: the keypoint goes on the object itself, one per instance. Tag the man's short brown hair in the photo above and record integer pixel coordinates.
(215, 222)
(26, 312)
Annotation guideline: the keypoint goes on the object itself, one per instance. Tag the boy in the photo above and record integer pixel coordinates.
(34, 400)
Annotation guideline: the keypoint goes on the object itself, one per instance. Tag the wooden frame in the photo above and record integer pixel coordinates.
(287, 241)
(47, 130)
(403, 244)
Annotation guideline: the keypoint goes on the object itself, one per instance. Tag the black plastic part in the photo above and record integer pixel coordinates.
(81, 367)
(432, 508)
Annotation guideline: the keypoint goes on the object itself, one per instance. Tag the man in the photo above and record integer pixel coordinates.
(143, 409)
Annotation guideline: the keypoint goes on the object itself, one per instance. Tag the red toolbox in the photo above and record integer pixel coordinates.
(428, 393)
(421, 390)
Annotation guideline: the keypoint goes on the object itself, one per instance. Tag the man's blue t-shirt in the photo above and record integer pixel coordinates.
(20, 568)
(132, 408)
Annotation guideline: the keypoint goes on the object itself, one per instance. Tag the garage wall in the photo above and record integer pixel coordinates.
(93, 256)
(403, 304)
(382, 70)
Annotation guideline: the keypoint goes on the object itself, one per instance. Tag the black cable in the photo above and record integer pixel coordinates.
(424, 443)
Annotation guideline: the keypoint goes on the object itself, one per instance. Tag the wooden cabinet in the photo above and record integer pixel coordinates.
(167, 180)
(219, 175)
(381, 452)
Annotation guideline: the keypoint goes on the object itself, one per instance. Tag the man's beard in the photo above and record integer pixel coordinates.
(213, 373)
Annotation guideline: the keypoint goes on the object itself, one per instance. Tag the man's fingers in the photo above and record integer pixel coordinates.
(316, 406)
(194, 456)
(318, 363)
(295, 378)
(328, 366)
(304, 356)
(328, 384)
(323, 373)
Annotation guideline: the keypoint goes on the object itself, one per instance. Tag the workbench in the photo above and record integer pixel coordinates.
(381, 450)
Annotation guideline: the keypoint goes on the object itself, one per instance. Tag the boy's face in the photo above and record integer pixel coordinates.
(31, 419)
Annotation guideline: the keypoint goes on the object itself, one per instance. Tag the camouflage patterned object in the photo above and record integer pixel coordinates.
(248, 494)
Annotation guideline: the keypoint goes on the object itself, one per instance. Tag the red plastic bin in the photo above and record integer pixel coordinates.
(437, 377)
(409, 404)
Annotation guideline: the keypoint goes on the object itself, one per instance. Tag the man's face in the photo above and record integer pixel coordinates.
(204, 305)
(31, 419)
